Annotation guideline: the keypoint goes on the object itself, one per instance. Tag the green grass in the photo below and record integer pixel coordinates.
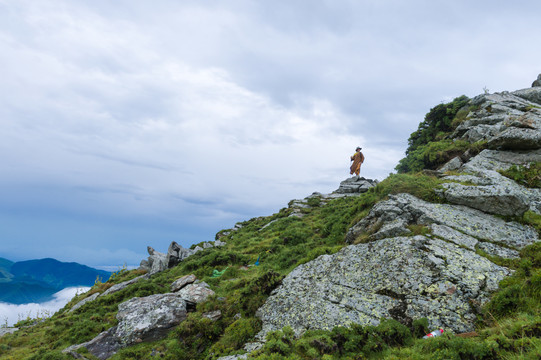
(529, 175)
(508, 327)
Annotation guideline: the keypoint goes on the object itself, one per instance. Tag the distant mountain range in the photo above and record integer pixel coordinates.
(37, 280)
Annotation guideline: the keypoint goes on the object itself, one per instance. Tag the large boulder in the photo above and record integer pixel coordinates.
(355, 185)
(404, 278)
(490, 192)
(157, 261)
(139, 319)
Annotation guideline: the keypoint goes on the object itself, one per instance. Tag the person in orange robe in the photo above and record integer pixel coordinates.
(358, 159)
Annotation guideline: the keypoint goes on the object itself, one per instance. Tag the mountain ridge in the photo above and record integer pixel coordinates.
(363, 274)
(35, 281)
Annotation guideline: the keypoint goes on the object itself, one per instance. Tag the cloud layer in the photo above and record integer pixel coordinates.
(10, 314)
(131, 123)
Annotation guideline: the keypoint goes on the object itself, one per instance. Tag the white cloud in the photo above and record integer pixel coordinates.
(12, 313)
(202, 112)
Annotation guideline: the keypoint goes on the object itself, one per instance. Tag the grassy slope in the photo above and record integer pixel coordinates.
(509, 326)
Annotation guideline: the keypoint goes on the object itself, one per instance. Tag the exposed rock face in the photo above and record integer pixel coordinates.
(355, 185)
(123, 285)
(505, 120)
(439, 276)
(84, 301)
(149, 318)
(183, 281)
(196, 292)
(491, 193)
(537, 82)
(158, 262)
(402, 278)
(405, 209)
(139, 319)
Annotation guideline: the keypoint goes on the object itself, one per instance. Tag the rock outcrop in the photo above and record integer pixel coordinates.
(139, 319)
(147, 318)
(507, 121)
(157, 261)
(402, 277)
(444, 273)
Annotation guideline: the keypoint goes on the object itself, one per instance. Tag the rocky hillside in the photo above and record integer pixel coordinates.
(450, 242)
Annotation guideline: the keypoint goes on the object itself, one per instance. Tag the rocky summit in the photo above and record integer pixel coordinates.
(447, 274)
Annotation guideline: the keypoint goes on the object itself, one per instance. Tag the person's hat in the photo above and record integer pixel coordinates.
(358, 148)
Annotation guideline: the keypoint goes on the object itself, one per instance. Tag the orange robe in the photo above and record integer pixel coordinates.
(358, 159)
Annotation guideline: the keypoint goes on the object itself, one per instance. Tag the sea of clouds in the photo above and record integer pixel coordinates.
(12, 313)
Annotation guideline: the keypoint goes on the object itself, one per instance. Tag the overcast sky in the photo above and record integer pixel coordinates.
(131, 123)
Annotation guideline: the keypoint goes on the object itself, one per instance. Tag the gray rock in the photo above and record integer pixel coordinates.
(501, 160)
(176, 254)
(402, 278)
(355, 185)
(122, 285)
(515, 138)
(196, 292)
(213, 315)
(219, 243)
(139, 319)
(496, 250)
(532, 94)
(207, 245)
(183, 281)
(453, 164)
(450, 234)
(157, 261)
(498, 194)
(461, 218)
(84, 301)
(537, 82)
(149, 318)
(233, 357)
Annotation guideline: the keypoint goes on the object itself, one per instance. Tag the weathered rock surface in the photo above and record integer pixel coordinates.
(501, 160)
(84, 301)
(196, 292)
(123, 285)
(505, 120)
(537, 82)
(139, 319)
(472, 222)
(491, 193)
(355, 185)
(402, 278)
(158, 262)
(183, 281)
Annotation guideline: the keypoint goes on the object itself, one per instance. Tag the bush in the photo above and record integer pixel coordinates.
(438, 120)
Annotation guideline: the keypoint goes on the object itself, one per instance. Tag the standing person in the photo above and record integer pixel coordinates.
(358, 159)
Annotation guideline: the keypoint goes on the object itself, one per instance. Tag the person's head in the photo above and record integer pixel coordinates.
(358, 149)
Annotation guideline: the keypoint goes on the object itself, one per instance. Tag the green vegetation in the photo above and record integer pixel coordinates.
(508, 327)
(430, 146)
(529, 175)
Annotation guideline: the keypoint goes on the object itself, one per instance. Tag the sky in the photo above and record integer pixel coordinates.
(129, 123)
